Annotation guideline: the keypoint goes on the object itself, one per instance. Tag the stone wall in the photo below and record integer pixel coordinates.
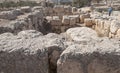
(23, 18)
(105, 25)
(58, 19)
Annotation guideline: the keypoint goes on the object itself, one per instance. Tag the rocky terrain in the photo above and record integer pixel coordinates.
(62, 39)
(82, 52)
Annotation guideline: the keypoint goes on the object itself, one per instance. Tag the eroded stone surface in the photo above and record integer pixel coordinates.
(81, 34)
(29, 52)
(82, 50)
(97, 57)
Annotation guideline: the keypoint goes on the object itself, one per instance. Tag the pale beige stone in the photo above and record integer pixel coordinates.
(83, 16)
(76, 17)
(56, 21)
(81, 34)
(49, 18)
(100, 56)
(58, 8)
(68, 9)
(86, 9)
(115, 25)
(66, 20)
(74, 9)
(72, 21)
(118, 33)
(26, 9)
(88, 22)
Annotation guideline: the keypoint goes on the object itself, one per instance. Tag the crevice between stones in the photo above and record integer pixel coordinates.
(53, 55)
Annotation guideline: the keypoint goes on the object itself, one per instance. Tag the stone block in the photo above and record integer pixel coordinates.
(26, 9)
(66, 20)
(72, 21)
(83, 16)
(88, 22)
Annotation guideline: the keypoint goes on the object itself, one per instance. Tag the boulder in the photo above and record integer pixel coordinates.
(100, 57)
(30, 51)
(80, 34)
(22, 55)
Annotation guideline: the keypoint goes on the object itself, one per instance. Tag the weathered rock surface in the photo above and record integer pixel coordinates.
(115, 25)
(75, 17)
(81, 34)
(14, 26)
(22, 55)
(100, 57)
(59, 8)
(7, 15)
(25, 9)
(86, 9)
(17, 25)
(29, 34)
(37, 8)
(74, 9)
(32, 52)
(17, 12)
(68, 9)
(27, 21)
(83, 16)
(66, 20)
(29, 52)
(56, 21)
(88, 22)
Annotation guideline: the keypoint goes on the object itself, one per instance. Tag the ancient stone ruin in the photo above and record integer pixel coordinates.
(59, 39)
